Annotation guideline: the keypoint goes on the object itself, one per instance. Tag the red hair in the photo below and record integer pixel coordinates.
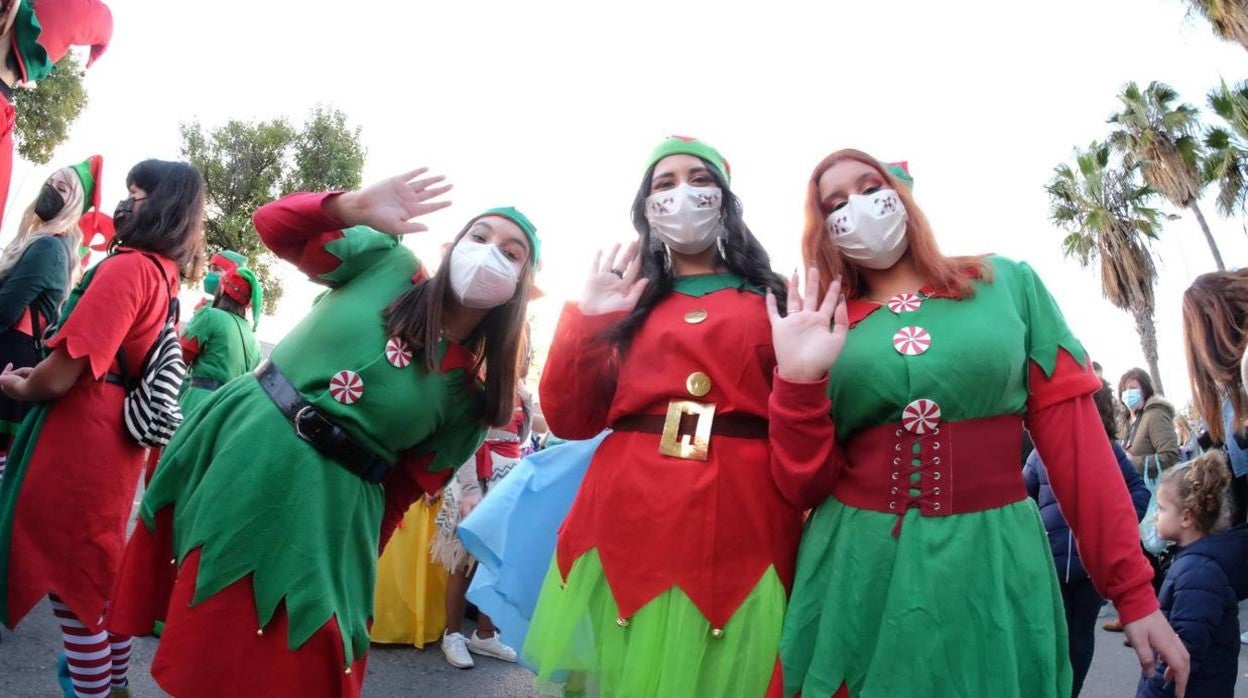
(947, 276)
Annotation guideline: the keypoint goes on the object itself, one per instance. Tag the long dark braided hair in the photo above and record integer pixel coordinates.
(740, 252)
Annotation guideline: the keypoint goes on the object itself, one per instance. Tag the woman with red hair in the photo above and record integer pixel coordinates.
(927, 565)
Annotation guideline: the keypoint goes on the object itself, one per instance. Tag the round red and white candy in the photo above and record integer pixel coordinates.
(912, 341)
(921, 417)
(398, 353)
(904, 303)
(346, 387)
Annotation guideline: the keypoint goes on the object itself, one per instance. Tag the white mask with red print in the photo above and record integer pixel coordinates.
(871, 228)
(686, 218)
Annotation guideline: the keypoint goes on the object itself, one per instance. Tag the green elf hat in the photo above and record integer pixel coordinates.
(684, 145)
(243, 287)
(229, 260)
(88, 172)
(900, 170)
(530, 231)
(93, 221)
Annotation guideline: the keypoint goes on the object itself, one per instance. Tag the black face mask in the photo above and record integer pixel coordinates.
(49, 204)
(125, 209)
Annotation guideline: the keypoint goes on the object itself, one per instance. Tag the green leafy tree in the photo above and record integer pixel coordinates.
(1228, 17)
(1105, 212)
(327, 153)
(46, 113)
(1226, 148)
(1160, 137)
(247, 164)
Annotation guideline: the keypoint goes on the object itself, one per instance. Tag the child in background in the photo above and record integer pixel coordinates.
(1207, 579)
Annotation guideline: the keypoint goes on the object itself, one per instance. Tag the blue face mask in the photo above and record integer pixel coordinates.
(1132, 398)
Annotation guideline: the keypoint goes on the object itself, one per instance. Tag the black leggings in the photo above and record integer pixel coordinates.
(1083, 605)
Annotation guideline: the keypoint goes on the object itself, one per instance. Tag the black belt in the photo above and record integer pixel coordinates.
(206, 383)
(320, 431)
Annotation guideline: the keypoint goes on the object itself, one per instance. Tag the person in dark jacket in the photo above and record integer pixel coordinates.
(1081, 599)
(1207, 578)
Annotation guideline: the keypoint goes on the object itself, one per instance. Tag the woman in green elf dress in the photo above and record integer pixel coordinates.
(926, 572)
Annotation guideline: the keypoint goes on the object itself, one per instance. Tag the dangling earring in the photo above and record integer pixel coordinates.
(667, 258)
(719, 239)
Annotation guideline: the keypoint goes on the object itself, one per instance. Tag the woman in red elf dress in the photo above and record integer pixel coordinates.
(74, 468)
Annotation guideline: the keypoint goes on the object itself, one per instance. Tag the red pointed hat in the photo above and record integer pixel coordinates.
(44, 31)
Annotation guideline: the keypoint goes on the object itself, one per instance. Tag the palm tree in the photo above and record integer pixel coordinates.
(1105, 212)
(1158, 136)
(1228, 17)
(1226, 160)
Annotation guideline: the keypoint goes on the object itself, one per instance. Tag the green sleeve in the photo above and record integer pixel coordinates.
(43, 267)
(459, 437)
(1047, 331)
(358, 249)
(201, 327)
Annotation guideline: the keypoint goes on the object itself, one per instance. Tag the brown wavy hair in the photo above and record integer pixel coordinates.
(416, 316)
(1215, 323)
(1200, 487)
(945, 275)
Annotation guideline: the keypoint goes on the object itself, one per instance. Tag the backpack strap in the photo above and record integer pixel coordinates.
(124, 378)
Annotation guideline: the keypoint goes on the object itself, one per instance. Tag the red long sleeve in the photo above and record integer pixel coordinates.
(805, 458)
(579, 383)
(190, 349)
(1090, 491)
(297, 228)
(408, 481)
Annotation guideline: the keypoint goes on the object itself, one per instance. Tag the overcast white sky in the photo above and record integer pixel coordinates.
(553, 107)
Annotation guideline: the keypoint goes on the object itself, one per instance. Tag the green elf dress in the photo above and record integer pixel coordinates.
(927, 571)
(277, 543)
(218, 345)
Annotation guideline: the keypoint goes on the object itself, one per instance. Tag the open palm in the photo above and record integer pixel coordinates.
(809, 338)
(391, 204)
(613, 285)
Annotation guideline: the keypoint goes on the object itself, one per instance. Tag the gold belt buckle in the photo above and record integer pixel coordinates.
(696, 447)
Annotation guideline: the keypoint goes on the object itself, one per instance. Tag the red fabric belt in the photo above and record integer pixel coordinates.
(956, 468)
(485, 459)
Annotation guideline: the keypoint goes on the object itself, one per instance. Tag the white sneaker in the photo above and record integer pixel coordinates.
(491, 647)
(1243, 639)
(455, 649)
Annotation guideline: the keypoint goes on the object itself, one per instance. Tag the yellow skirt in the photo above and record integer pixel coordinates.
(410, 603)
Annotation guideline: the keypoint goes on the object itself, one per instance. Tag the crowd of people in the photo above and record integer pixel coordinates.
(835, 507)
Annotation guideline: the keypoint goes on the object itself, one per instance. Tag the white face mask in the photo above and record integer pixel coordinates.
(686, 218)
(871, 228)
(481, 276)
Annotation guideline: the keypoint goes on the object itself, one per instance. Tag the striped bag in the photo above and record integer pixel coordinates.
(151, 409)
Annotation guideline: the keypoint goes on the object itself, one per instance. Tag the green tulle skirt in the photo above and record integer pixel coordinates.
(963, 605)
(667, 647)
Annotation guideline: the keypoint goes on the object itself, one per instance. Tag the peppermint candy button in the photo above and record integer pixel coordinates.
(921, 417)
(904, 303)
(346, 387)
(912, 341)
(398, 353)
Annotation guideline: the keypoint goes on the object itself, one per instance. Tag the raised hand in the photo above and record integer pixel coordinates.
(613, 285)
(391, 204)
(810, 337)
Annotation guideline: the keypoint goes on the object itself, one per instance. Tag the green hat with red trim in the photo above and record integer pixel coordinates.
(44, 31)
(900, 170)
(229, 260)
(93, 221)
(513, 214)
(89, 172)
(684, 145)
